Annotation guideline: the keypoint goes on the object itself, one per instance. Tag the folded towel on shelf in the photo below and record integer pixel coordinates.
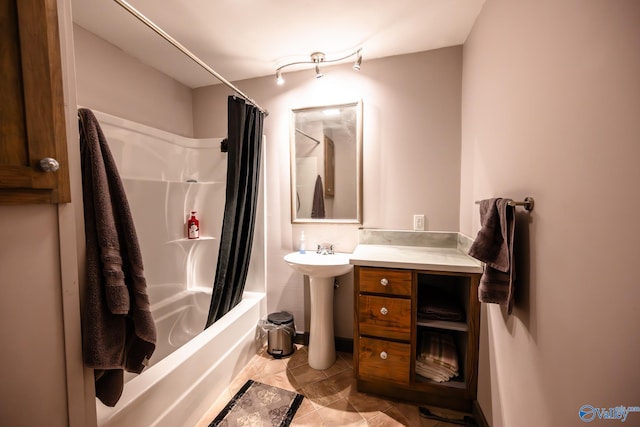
(494, 246)
(317, 208)
(440, 349)
(439, 305)
(118, 330)
(434, 373)
(438, 356)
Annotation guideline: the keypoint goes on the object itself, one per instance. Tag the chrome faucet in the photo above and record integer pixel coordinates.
(325, 249)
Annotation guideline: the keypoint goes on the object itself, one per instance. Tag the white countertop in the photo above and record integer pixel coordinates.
(415, 258)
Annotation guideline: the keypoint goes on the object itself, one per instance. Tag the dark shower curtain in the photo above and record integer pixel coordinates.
(243, 178)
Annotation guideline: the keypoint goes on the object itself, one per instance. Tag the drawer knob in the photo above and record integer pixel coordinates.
(384, 311)
(384, 281)
(49, 164)
(383, 355)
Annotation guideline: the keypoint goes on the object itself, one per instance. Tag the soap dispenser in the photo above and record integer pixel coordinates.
(301, 247)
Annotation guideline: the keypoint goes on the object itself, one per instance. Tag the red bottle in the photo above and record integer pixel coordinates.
(193, 227)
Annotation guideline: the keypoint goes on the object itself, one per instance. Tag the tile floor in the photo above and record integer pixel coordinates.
(331, 398)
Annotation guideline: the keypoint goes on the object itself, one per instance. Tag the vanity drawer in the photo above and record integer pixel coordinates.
(385, 281)
(387, 360)
(384, 317)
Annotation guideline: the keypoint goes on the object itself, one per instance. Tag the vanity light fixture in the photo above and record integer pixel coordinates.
(318, 58)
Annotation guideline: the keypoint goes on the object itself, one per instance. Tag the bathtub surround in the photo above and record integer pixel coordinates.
(166, 176)
(240, 211)
(119, 331)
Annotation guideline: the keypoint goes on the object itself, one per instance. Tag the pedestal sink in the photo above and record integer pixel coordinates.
(322, 270)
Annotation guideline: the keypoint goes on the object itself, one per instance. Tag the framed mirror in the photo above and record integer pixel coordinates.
(326, 164)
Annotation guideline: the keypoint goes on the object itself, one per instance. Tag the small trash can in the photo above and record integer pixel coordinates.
(280, 333)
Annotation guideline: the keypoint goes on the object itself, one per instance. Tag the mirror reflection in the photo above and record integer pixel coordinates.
(326, 164)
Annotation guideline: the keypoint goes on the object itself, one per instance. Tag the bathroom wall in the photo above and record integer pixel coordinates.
(30, 265)
(113, 82)
(551, 98)
(411, 156)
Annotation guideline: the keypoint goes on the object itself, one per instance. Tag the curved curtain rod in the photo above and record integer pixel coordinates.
(186, 51)
(308, 136)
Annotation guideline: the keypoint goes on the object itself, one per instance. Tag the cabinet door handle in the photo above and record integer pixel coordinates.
(384, 311)
(384, 281)
(383, 355)
(49, 164)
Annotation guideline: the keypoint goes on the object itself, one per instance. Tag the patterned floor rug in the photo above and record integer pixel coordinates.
(259, 405)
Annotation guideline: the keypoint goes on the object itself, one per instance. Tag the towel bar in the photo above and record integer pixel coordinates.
(527, 203)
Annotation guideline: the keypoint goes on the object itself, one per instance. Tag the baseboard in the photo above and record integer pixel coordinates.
(301, 338)
(479, 415)
(344, 345)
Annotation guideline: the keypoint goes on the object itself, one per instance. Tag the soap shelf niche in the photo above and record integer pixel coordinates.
(185, 240)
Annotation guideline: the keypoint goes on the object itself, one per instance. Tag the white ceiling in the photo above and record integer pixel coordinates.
(243, 39)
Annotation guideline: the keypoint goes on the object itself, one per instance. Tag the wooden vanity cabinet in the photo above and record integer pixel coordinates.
(388, 333)
(33, 152)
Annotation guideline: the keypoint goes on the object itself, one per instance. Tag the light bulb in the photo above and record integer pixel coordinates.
(356, 66)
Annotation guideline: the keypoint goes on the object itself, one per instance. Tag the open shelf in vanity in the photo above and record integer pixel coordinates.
(409, 314)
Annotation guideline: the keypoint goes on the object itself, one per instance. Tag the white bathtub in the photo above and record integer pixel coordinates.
(189, 368)
(178, 320)
(178, 390)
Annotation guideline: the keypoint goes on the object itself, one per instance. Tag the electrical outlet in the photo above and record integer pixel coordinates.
(418, 222)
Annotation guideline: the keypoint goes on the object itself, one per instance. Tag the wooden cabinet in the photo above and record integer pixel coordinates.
(392, 325)
(32, 119)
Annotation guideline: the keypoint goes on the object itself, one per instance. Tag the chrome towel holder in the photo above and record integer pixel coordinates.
(527, 203)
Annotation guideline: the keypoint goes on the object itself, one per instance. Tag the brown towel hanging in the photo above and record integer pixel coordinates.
(317, 209)
(494, 246)
(118, 330)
